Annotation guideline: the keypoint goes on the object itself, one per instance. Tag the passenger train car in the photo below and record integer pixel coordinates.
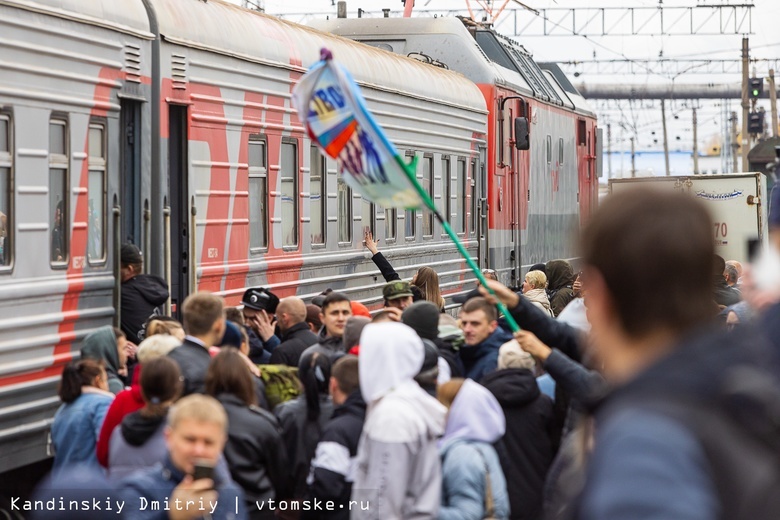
(168, 124)
(538, 194)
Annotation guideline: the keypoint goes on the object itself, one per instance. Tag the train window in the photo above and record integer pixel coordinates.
(6, 191)
(96, 193)
(318, 196)
(548, 149)
(581, 131)
(258, 193)
(289, 191)
(410, 223)
(427, 183)
(560, 151)
(344, 197)
(410, 216)
(473, 197)
(368, 216)
(391, 223)
(58, 191)
(446, 186)
(459, 199)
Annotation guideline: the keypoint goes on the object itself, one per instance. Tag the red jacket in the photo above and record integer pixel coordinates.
(125, 402)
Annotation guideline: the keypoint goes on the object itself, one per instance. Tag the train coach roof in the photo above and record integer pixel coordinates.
(131, 18)
(488, 59)
(228, 29)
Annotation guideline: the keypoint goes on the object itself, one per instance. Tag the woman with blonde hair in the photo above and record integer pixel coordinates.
(534, 287)
(428, 282)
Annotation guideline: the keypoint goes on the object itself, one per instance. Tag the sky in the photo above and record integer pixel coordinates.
(639, 119)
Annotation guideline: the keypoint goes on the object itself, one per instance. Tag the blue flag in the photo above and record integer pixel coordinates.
(335, 116)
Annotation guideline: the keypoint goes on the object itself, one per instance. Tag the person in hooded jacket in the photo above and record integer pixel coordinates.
(527, 444)
(332, 468)
(473, 484)
(130, 399)
(143, 295)
(534, 289)
(106, 344)
(139, 442)
(254, 451)
(560, 279)
(303, 419)
(398, 472)
(479, 321)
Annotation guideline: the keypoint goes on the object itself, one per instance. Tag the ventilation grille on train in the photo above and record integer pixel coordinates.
(179, 71)
(133, 62)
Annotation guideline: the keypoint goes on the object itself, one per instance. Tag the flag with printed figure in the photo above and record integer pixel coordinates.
(335, 116)
(334, 113)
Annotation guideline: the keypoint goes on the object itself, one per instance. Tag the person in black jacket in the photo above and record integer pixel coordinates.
(303, 419)
(254, 451)
(336, 310)
(143, 295)
(296, 336)
(388, 273)
(330, 477)
(723, 293)
(259, 307)
(527, 445)
(204, 323)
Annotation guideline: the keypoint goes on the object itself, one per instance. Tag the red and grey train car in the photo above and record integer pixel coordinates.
(537, 195)
(168, 123)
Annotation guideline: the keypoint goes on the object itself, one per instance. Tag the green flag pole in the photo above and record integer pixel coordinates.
(411, 173)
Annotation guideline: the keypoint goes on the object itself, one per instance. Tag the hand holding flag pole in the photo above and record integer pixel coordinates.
(335, 115)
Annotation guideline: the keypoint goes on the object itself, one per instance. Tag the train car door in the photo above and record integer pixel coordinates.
(480, 172)
(180, 207)
(130, 183)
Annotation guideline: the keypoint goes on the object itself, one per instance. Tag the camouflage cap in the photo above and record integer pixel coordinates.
(395, 290)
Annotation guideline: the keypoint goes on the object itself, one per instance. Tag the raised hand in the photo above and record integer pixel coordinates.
(368, 239)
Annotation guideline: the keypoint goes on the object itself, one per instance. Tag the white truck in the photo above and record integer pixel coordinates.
(737, 202)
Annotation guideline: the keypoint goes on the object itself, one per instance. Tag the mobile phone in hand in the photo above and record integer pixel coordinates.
(203, 469)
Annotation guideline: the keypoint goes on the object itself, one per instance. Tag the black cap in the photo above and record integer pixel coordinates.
(130, 255)
(260, 299)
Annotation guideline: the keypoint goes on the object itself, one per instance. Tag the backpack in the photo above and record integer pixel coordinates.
(281, 383)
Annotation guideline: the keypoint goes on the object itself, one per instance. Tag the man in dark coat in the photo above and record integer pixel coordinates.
(296, 336)
(484, 337)
(336, 310)
(724, 293)
(143, 295)
(204, 322)
(259, 307)
(330, 478)
(527, 446)
(196, 434)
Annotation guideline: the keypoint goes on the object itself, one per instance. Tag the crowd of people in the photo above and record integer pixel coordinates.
(633, 390)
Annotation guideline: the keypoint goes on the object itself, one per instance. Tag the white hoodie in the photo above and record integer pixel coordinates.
(398, 468)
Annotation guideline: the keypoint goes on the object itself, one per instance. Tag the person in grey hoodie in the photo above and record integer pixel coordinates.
(473, 486)
(398, 473)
